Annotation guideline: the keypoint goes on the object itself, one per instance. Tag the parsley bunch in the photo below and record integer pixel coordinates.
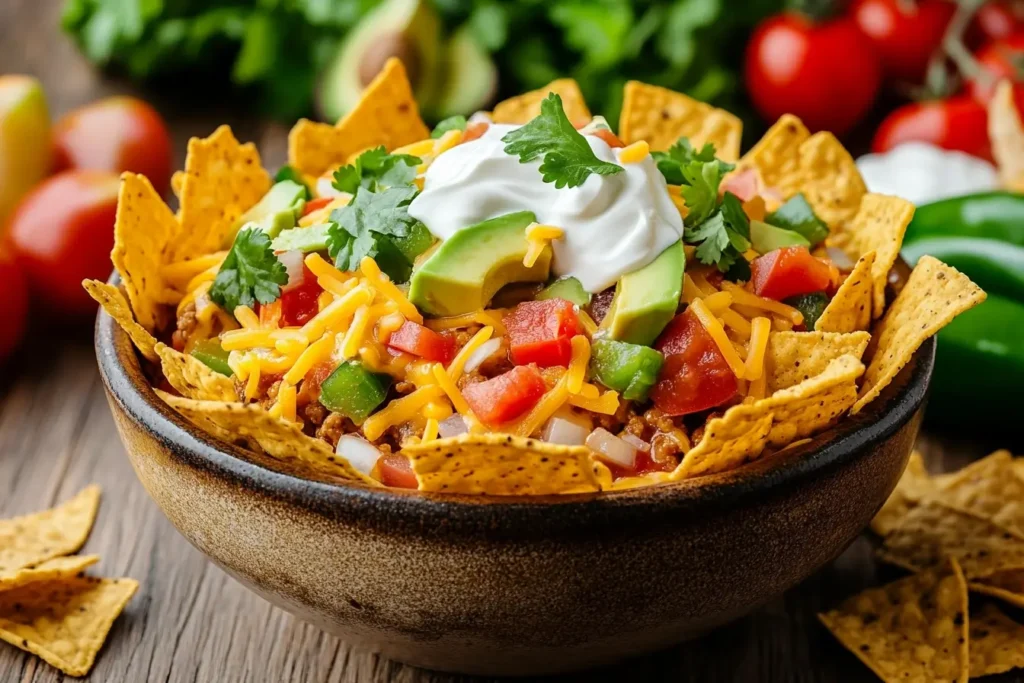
(250, 272)
(568, 159)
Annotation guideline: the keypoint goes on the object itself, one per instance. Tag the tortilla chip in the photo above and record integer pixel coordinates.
(775, 156)
(1007, 586)
(933, 530)
(114, 303)
(522, 108)
(315, 148)
(996, 642)
(991, 488)
(794, 357)
(934, 294)
(144, 230)
(914, 486)
(223, 179)
(661, 116)
(737, 437)
(850, 309)
(29, 540)
(252, 427)
(879, 226)
(815, 403)
(1007, 134)
(501, 465)
(177, 181)
(192, 378)
(914, 629)
(64, 622)
(51, 570)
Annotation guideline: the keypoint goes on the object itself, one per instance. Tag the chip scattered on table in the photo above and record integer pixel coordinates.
(31, 539)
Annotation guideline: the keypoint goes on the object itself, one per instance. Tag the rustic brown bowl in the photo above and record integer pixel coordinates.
(516, 586)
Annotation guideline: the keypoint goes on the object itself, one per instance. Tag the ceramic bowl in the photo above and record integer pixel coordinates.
(517, 586)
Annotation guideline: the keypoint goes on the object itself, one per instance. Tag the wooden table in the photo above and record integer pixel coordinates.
(189, 621)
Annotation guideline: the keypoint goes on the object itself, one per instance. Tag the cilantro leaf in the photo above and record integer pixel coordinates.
(568, 159)
(457, 122)
(723, 236)
(797, 215)
(698, 173)
(681, 154)
(250, 272)
(375, 168)
(370, 226)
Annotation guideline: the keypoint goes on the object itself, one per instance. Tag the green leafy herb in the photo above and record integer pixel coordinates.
(797, 215)
(369, 226)
(568, 159)
(457, 122)
(722, 238)
(286, 172)
(374, 169)
(680, 155)
(250, 272)
(698, 173)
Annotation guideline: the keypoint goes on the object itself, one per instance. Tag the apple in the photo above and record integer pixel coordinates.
(24, 139)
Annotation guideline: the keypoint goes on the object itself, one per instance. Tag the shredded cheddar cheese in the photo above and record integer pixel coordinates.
(544, 409)
(451, 390)
(742, 297)
(388, 289)
(398, 411)
(322, 269)
(606, 404)
(236, 340)
(430, 430)
(754, 365)
(739, 325)
(690, 290)
(589, 390)
(635, 153)
(420, 148)
(578, 364)
(714, 328)
(247, 318)
(481, 317)
(182, 272)
(758, 387)
(437, 410)
(446, 142)
(286, 395)
(315, 353)
(538, 237)
(718, 302)
(459, 362)
(252, 384)
(589, 326)
(338, 313)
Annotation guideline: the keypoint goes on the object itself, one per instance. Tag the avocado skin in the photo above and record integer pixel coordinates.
(468, 268)
(647, 299)
(470, 77)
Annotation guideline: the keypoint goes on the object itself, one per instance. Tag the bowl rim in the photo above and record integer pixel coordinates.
(128, 388)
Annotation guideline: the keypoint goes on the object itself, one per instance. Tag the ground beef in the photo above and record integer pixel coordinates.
(333, 427)
(315, 413)
(186, 325)
(600, 303)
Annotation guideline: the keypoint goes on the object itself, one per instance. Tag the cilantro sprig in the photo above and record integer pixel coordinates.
(250, 272)
(722, 238)
(369, 226)
(375, 168)
(567, 158)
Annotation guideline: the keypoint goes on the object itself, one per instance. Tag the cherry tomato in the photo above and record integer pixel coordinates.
(396, 471)
(905, 34)
(316, 204)
(1001, 59)
(301, 303)
(115, 134)
(541, 332)
(787, 272)
(825, 73)
(695, 375)
(62, 233)
(13, 305)
(995, 20)
(958, 123)
(423, 342)
(610, 138)
(507, 396)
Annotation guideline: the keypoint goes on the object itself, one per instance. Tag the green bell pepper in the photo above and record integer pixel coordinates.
(629, 369)
(980, 358)
(811, 305)
(211, 354)
(354, 391)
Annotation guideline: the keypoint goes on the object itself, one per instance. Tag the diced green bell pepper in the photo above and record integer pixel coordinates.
(354, 391)
(568, 288)
(811, 305)
(630, 369)
(210, 353)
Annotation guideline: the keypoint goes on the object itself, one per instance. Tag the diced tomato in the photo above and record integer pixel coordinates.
(745, 184)
(695, 376)
(475, 131)
(423, 342)
(507, 396)
(316, 204)
(299, 304)
(541, 332)
(609, 137)
(787, 272)
(309, 390)
(395, 470)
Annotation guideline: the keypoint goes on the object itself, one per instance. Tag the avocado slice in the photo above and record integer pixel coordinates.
(647, 299)
(765, 238)
(407, 29)
(568, 288)
(279, 209)
(464, 273)
(470, 77)
(306, 240)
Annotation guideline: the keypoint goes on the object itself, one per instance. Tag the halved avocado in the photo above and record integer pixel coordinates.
(464, 273)
(646, 299)
(470, 77)
(407, 29)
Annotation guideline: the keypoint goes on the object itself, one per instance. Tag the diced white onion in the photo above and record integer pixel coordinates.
(486, 350)
(636, 442)
(292, 261)
(612, 448)
(325, 188)
(453, 426)
(359, 452)
(561, 431)
(839, 257)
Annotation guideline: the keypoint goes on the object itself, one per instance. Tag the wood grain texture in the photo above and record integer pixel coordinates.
(190, 621)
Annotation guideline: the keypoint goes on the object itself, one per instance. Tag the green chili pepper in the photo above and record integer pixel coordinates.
(992, 215)
(996, 267)
(211, 354)
(811, 305)
(630, 369)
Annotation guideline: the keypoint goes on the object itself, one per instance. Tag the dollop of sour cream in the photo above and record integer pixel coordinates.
(613, 224)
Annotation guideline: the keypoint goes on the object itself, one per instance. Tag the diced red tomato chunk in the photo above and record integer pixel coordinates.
(301, 303)
(787, 272)
(475, 130)
(695, 375)
(395, 470)
(745, 184)
(423, 342)
(507, 396)
(609, 137)
(541, 332)
(316, 204)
